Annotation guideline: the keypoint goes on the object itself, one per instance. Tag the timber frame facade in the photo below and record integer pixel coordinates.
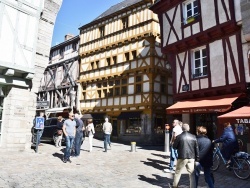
(207, 50)
(59, 84)
(123, 73)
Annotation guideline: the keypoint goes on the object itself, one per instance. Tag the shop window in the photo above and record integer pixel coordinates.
(199, 63)
(133, 126)
(190, 13)
(159, 125)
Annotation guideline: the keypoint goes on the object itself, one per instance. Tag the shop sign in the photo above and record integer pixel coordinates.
(44, 104)
(243, 120)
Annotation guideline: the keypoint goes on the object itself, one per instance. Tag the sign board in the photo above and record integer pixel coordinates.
(39, 123)
(42, 104)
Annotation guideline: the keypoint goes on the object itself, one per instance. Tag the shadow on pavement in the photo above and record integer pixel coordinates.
(160, 155)
(158, 181)
(155, 163)
(58, 155)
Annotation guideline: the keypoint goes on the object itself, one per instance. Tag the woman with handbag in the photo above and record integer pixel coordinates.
(58, 142)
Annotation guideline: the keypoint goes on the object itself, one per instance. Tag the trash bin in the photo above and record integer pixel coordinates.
(133, 146)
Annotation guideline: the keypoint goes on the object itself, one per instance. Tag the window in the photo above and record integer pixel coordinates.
(124, 90)
(61, 53)
(97, 64)
(134, 54)
(163, 84)
(92, 65)
(117, 91)
(127, 56)
(111, 83)
(117, 82)
(114, 59)
(124, 22)
(110, 92)
(199, 63)
(190, 11)
(74, 47)
(138, 84)
(108, 62)
(102, 31)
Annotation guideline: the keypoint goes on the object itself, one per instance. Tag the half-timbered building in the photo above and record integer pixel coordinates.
(203, 42)
(123, 74)
(59, 84)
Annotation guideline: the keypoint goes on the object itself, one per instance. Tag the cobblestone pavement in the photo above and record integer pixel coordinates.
(117, 168)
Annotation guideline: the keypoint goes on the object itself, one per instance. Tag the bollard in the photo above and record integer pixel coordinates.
(166, 146)
(133, 146)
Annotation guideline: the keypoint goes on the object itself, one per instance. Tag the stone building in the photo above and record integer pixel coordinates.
(123, 73)
(26, 29)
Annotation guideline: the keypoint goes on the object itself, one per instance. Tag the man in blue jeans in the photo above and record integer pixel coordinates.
(80, 134)
(69, 130)
(107, 129)
(177, 130)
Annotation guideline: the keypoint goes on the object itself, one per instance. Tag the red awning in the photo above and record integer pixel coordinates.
(204, 105)
(243, 112)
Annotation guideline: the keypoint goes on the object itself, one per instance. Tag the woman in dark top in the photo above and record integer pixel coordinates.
(59, 131)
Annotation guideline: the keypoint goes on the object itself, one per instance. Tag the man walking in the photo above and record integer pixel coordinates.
(177, 130)
(80, 135)
(69, 130)
(188, 152)
(107, 129)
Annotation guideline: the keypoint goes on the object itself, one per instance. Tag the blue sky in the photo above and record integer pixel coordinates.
(76, 13)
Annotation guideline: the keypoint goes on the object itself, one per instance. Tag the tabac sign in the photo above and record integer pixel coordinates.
(243, 121)
(44, 104)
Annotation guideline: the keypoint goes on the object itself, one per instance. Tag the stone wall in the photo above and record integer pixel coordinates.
(20, 103)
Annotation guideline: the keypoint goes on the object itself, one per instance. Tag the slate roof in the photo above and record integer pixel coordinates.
(117, 7)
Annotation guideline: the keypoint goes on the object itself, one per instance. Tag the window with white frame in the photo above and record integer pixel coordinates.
(190, 11)
(199, 63)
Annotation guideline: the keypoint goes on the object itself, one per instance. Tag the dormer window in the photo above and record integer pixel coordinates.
(190, 11)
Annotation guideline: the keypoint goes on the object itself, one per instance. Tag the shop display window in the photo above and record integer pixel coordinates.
(159, 125)
(98, 125)
(133, 126)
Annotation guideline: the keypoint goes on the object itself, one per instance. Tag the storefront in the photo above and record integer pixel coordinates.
(240, 121)
(204, 111)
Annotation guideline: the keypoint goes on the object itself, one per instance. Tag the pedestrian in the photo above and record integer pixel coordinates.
(69, 130)
(229, 143)
(177, 130)
(59, 132)
(188, 153)
(80, 135)
(205, 157)
(107, 129)
(91, 131)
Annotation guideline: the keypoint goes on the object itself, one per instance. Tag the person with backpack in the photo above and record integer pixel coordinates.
(80, 135)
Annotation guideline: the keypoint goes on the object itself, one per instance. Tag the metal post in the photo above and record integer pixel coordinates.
(166, 146)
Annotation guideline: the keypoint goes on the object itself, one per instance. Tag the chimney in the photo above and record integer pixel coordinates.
(68, 36)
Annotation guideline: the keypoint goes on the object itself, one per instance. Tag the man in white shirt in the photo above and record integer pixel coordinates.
(107, 129)
(177, 130)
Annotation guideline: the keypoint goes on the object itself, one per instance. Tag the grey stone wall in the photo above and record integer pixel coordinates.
(20, 103)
